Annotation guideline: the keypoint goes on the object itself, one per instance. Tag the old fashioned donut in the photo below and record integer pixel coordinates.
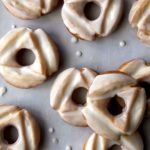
(140, 70)
(139, 18)
(62, 90)
(45, 63)
(115, 105)
(27, 131)
(132, 142)
(79, 25)
(30, 9)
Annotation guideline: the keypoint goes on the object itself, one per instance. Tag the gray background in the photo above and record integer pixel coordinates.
(101, 55)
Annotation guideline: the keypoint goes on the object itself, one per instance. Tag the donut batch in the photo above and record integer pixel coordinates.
(114, 103)
(114, 107)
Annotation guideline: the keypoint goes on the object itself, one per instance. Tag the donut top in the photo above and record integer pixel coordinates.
(103, 89)
(138, 69)
(139, 17)
(29, 9)
(27, 128)
(131, 142)
(76, 22)
(46, 57)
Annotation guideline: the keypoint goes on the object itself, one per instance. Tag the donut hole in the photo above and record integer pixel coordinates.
(146, 86)
(10, 134)
(116, 105)
(79, 96)
(92, 11)
(25, 57)
(115, 147)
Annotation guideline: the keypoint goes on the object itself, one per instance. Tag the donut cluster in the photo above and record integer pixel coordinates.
(114, 106)
(82, 21)
(114, 103)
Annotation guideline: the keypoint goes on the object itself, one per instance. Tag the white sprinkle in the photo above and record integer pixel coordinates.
(78, 53)
(122, 43)
(68, 147)
(74, 39)
(51, 130)
(13, 26)
(55, 140)
(3, 90)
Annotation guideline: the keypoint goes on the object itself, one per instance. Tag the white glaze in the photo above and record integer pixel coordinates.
(139, 18)
(122, 43)
(78, 24)
(61, 100)
(140, 70)
(55, 140)
(13, 26)
(105, 87)
(131, 142)
(46, 57)
(51, 130)
(74, 39)
(79, 53)
(68, 147)
(30, 9)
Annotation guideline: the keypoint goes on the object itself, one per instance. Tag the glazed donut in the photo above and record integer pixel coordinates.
(132, 142)
(61, 99)
(139, 18)
(30, 9)
(106, 90)
(27, 129)
(46, 57)
(79, 25)
(140, 70)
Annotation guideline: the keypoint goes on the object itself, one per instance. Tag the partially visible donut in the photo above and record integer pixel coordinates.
(140, 70)
(107, 90)
(132, 142)
(79, 25)
(139, 18)
(30, 9)
(46, 57)
(25, 125)
(62, 90)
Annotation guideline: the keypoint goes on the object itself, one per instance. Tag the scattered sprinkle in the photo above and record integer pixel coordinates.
(14, 26)
(74, 39)
(79, 53)
(122, 43)
(51, 130)
(68, 147)
(55, 140)
(3, 90)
